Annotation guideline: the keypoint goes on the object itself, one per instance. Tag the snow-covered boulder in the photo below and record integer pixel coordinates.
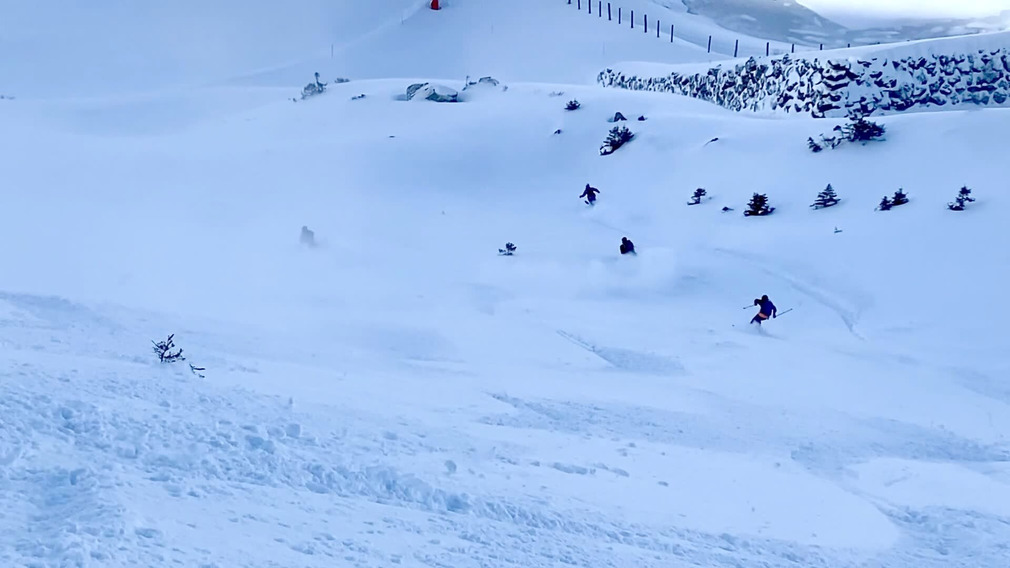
(433, 92)
(894, 79)
(483, 82)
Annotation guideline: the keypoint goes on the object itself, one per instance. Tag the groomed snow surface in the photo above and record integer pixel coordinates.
(401, 395)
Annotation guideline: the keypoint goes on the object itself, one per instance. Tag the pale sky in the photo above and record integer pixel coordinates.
(908, 8)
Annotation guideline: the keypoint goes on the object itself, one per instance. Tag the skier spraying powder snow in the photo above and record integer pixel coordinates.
(768, 310)
(590, 194)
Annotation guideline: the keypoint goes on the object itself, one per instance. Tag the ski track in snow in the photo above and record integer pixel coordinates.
(76, 461)
(400, 395)
(848, 315)
(627, 359)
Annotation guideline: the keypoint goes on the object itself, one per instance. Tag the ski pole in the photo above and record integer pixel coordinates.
(785, 312)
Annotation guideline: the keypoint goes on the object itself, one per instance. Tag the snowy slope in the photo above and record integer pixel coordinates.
(401, 395)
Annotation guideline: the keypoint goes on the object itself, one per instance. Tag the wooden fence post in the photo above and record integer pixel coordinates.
(671, 33)
(579, 4)
(794, 48)
(822, 47)
(599, 9)
(710, 44)
(609, 19)
(645, 22)
(768, 48)
(632, 19)
(657, 28)
(618, 15)
(590, 2)
(736, 48)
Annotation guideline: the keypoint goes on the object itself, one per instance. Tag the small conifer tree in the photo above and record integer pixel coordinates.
(618, 136)
(963, 198)
(699, 194)
(509, 250)
(900, 198)
(826, 198)
(862, 130)
(164, 350)
(758, 206)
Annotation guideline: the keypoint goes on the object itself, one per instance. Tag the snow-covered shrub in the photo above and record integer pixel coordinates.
(618, 136)
(509, 250)
(164, 350)
(314, 88)
(573, 104)
(826, 198)
(858, 130)
(482, 82)
(963, 198)
(699, 194)
(900, 198)
(861, 130)
(758, 206)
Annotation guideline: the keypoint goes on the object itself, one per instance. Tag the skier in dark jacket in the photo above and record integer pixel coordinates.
(768, 310)
(627, 246)
(590, 194)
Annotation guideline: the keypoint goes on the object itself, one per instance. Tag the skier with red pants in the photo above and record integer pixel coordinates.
(768, 310)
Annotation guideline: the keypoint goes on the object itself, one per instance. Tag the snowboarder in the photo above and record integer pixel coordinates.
(768, 310)
(590, 194)
(627, 246)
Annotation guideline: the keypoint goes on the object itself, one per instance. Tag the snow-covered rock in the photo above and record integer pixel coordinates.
(433, 92)
(483, 82)
(889, 82)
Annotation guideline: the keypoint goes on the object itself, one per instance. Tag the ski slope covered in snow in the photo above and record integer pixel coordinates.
(402, 395)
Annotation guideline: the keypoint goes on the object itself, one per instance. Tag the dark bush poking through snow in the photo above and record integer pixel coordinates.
(900, 198)
(573, 104)
(858, 130)
(862, 130)
(314, 88)
(758, 206)
(618, 136)
(509, 250)
(699, 194)
(164, 350)
(961, 201)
